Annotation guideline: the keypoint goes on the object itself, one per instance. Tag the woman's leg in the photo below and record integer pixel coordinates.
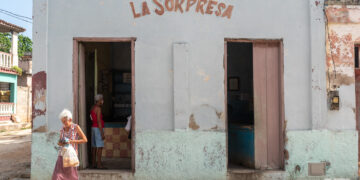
(99, 153)
(93, 159)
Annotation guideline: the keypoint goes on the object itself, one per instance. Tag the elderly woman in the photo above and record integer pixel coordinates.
(97, 132)
(72, 132)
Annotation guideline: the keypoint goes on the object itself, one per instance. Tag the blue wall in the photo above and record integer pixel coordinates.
(10, 78)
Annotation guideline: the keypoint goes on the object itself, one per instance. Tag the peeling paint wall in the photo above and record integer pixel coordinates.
(198, 148)
(43, 155)
(343, 32)
(180, 155)
(39, 94)
(339, 149)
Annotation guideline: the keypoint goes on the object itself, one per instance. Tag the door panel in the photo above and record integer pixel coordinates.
(357, 114)
(82, 105)
(357, 89)
(260, 123)
(273, 105)
(266, 64)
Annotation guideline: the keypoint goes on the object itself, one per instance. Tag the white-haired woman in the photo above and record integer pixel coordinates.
(97, 132)
(75, 136)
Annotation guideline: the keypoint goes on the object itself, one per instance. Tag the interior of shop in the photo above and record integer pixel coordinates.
(240, 106)
(108, 72)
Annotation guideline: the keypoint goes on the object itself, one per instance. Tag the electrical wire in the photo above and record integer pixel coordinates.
(14, 16)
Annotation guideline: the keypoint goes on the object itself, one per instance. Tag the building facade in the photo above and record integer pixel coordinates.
(8, 75)
(213, 87)
(24, 94)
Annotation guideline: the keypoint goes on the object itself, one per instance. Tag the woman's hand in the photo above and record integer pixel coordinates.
(102, 135)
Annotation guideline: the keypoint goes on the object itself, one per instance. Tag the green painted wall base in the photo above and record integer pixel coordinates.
(180, 155)
(339, 148)
(202, 155)
(43, 155)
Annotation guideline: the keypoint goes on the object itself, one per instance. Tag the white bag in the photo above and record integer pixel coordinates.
(128, 124)
(70, 158)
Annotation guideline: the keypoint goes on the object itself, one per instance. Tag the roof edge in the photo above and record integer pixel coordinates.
(12, 27)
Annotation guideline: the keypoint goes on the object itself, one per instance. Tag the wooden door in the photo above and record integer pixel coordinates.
(83, 153)
(267, 83)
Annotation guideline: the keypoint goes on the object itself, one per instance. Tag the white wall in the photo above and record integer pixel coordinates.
(204, 34)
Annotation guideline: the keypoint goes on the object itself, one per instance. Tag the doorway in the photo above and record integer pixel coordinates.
(254, 104)
(357, 95)
(106, 66)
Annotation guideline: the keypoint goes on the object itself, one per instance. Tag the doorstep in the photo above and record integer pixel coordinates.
(252, 174)
(95, 174)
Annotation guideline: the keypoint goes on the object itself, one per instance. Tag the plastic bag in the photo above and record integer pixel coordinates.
(128, 124)
(70, 158)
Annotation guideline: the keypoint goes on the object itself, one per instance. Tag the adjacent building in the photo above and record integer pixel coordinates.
(23, 107)
(216, 89)
(8, 74)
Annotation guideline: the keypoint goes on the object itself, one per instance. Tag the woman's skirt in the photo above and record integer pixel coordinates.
(64, 173)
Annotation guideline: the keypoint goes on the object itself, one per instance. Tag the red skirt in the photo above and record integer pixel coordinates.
(64, 173)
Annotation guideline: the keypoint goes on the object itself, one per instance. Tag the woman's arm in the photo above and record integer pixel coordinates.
(98, 114)
(82, 139)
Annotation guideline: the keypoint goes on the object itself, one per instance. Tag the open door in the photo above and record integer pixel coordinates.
(254, 104)
(106, 66)
(266, 68)
(357, 95)
(83, 154)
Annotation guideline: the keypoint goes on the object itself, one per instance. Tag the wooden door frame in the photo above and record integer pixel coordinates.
(76, 43)
(357, 71)
(282, 110)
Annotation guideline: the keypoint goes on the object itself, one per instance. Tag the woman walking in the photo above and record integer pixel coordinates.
(72, 132)
(97, 132)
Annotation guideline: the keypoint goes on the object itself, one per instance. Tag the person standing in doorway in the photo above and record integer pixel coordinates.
(97, 132)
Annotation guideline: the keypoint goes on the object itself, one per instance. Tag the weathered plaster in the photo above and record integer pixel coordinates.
(193, 152)
(318, 67)
(43, 155)
(153, 51)
(343, 32)
(343, 14)
(339, 148)
(180, 155)
(39, 101)
(39, 66)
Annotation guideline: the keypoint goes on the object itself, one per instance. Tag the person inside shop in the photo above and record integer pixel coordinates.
(97, 132)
